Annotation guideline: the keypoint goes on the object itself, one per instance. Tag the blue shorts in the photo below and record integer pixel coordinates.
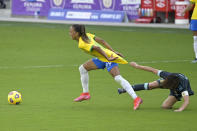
(193, 25)
(103, 65)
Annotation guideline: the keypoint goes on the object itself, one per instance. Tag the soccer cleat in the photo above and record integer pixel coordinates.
(82, 97)
(121, 90)
(137, 103)
(195, 60)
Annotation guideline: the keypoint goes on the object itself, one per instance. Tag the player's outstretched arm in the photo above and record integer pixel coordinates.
(184, 105)
(146, 68)
(98, 49)
(105, 44)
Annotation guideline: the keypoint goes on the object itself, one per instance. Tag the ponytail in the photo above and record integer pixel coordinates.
(81, 30)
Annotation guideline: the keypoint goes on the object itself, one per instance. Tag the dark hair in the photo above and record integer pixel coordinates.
(171, 82)
(81, 30)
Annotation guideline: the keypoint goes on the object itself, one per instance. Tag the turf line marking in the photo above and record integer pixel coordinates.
(45, 66)
(31, 67)
(76, 65)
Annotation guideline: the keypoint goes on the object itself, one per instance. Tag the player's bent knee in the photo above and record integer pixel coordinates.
(118, 78)
(82, 69)
(166, 107)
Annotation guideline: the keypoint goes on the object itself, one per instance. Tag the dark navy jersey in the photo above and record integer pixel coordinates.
(184, 84)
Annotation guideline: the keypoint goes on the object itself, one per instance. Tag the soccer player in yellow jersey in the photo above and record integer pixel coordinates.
(106, 57)
(193, 24)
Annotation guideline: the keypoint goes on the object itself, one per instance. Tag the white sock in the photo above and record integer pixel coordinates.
(84, 78)
(146, 86)
(195, 45)
(125, 84)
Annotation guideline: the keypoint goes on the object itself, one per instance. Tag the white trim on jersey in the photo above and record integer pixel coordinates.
(185, 93)
(158, 73)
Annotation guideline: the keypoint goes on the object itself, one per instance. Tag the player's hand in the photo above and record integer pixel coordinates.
(178, 110)
(134, 64)
(111, 58)
(119, 54)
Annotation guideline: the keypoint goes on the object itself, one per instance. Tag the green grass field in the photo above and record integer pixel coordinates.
(41, 62)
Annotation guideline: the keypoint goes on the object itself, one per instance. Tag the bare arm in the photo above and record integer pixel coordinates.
(111, 58)
(184, 105)
(105, 44)
(188, 8)
(146, 68)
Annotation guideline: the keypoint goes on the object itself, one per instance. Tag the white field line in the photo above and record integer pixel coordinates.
(44, 66)
(31, 67)
(61, 66)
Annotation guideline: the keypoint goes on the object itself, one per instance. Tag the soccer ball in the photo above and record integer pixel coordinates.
(14, 97)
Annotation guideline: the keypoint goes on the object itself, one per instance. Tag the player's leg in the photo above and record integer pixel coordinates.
(92, 64)
(193, 27)
(139, 87)
(114, 71)
(195, 45)
(83, 69)
(169, 102)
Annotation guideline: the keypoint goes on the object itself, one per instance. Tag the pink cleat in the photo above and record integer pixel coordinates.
(83, 96)
(137, 103)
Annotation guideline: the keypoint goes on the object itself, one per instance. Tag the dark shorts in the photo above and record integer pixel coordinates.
(102, 65)
(179, 95)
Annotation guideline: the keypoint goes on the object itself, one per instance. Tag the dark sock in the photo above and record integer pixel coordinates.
(139, 87)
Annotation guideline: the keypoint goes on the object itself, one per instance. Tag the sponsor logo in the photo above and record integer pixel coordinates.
(107, 3)
(33, 1)
(179, 9)
(57, 14)
(78, 15)
(61, 14)
(127, 2)
(160, 3)
(83, 1)
(147, 2)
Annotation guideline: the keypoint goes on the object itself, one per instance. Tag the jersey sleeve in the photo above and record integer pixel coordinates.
(86, 47)
(163, 74)
(91, 35)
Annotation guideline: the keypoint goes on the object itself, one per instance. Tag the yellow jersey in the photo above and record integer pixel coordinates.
(194, 14)
(87, 47)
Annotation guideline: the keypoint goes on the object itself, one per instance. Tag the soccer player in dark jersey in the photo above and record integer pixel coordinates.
(177, 83)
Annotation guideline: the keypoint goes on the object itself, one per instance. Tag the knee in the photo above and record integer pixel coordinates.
(118, 78)
(195, 37)
(82, 69)
(166, 106)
